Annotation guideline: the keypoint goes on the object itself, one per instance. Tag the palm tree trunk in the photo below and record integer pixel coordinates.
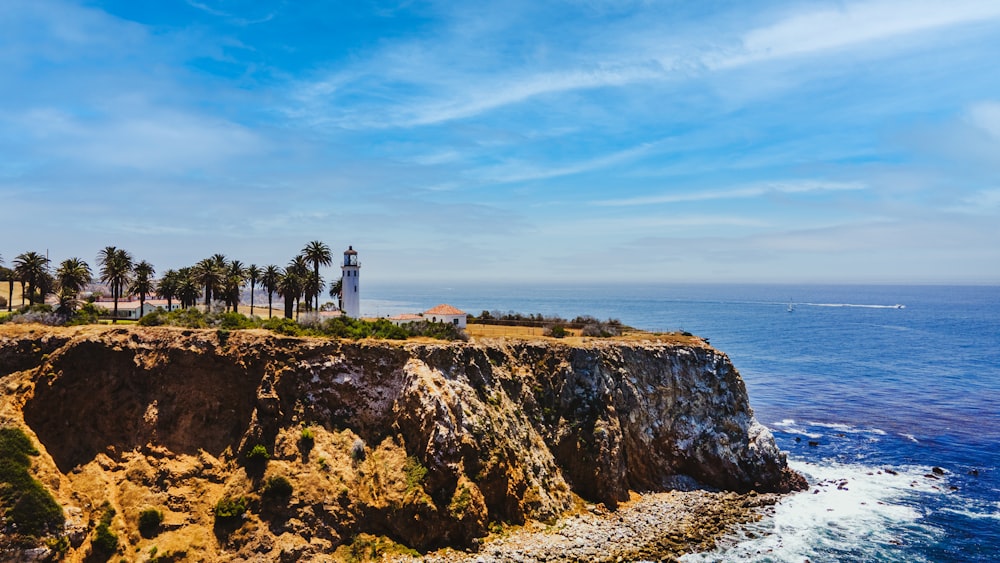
(269, 312)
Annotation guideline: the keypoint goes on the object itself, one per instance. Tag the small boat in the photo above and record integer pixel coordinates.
(791, 307)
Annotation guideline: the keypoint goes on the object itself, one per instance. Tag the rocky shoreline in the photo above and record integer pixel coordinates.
(652, 527)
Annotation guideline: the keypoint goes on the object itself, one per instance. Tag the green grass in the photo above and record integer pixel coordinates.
(24, 501)
(415, 473)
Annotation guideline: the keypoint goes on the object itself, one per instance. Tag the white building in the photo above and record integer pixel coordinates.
(129, 310)
(349, 288)
(440, 314)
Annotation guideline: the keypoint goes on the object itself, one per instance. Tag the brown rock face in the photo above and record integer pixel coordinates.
(424, 443)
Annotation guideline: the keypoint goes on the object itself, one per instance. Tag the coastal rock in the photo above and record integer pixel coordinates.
(424, 443)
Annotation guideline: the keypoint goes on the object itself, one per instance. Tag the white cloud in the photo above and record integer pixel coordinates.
(982, 202)
(519, 172)
(853, 24)
(749, 191)
(205, 7)
(152, 140)
(986, 117)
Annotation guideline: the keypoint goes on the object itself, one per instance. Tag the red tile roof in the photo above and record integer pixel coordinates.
(444, 310)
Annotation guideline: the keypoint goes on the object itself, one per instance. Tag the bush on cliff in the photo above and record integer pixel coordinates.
(277, 488)
(149, 522)
(24, 501)
(105, 542)
(230, 509)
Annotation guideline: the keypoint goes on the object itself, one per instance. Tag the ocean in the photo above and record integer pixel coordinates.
(886, 397)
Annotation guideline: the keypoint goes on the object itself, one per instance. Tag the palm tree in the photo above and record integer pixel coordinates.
(335, 290)
(143, 283)
(269, 281)
(290, 288)
(168, 286)
(319, 254)
(11, 277)
(299, 268)
(72, 276)
(116, 271)
(188, 287)
(253, 275)
(209, 273)
(233, 282)
(31, 268)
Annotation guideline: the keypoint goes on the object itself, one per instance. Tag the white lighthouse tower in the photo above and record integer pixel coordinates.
(349, 289)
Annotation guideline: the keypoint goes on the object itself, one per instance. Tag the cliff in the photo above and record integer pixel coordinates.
(425, 443)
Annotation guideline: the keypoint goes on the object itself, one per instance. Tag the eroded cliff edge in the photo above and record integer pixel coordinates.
(426, 443)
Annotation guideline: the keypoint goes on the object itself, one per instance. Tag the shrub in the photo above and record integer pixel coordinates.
(602, 330)
(307, 435)
(88, 314)
(24, 501)
(415, 473)
(36, 314)
(556, 331)
(258, 453)
(230, 509)
(284, 326)
(153, 318)
(234, 321)
(105, 541)
(366, 547)
(460, 502)
(277, 487)
(149, 522)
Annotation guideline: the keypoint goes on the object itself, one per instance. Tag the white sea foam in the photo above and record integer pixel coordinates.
(850, 512)
(978, 511)
(847, 428)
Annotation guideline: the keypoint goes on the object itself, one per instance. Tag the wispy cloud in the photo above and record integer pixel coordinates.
(238, 20)
(521, 172)
(151, 140)
(814, 31)
(744, 192)
(986, 117)
(424, 83)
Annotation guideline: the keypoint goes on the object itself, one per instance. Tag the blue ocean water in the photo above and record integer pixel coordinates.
(886, 397)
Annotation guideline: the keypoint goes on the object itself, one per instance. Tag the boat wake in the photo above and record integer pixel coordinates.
(854, 305)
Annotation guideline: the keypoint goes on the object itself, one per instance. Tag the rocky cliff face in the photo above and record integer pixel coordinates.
(426, 443)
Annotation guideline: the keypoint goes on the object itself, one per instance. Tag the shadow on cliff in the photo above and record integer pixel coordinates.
(94, 398)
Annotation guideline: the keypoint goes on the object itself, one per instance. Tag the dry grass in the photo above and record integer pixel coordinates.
(5, 292)
(574, 338)
(500, 331)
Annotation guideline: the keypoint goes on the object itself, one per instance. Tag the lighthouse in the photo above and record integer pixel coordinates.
(349, 288)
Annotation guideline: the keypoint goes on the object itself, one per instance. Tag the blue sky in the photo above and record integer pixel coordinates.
(592, 140)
